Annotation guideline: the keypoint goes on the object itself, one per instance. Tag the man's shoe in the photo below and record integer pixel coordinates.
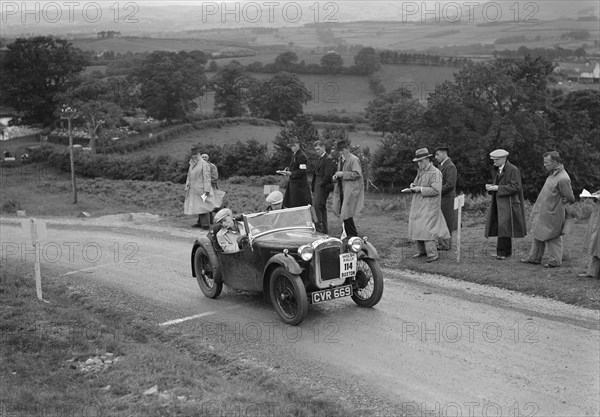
(500, 257)
(551, 266)
(529, 261)
(432, 259)
(196, 225)
(584, 275)
(419, 255)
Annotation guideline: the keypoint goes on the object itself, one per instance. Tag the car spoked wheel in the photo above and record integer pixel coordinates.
(369, 283)
(207, 269)
(288, 296)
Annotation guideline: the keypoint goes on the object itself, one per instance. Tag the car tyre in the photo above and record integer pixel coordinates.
(288, 295)
(207, 270)
(369, 280)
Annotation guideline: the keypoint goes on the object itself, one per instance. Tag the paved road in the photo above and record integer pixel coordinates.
(432, 346)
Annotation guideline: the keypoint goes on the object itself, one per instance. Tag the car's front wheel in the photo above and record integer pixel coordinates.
(206, 266)
(289, 296)
(369, 283)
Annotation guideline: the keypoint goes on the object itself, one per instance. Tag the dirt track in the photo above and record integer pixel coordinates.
(432, 346)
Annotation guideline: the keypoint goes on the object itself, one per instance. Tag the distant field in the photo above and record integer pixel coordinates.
(395, 35)
(179, 147)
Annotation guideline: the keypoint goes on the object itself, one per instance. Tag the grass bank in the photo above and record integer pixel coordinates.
(88, 354)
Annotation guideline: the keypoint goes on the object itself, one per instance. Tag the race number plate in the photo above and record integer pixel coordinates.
(331, 294)
(347, 265)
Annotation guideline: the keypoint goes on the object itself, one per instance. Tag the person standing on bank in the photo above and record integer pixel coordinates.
(199, 198)
(426, 222)
(349, 190)
(322, 185)
(448, 170)
(214, 172)
(297, 192)
(506, 213)
(591, 243)
(549, 213)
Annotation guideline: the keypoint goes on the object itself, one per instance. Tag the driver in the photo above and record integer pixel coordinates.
(231, 231)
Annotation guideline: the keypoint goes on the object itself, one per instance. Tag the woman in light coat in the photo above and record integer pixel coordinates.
(200, 198)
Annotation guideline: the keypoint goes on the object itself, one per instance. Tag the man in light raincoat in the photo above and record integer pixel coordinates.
(426, 222)
(549, 213)
(200, 198)
(349, 190)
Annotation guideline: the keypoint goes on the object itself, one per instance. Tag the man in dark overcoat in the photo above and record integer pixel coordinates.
(448, 170)
(506, 214)
(322, 185)
(297, 192)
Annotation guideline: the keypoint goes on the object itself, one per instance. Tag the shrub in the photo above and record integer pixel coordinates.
(11, 206)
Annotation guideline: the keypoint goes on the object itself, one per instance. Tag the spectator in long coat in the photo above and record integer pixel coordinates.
(214, 171)
(297, 192)
(200, 197)
(506, 213)
(426, 222)
(592, 240)
(349, 190)
(322, 185)
(448, 170)
(549, 213)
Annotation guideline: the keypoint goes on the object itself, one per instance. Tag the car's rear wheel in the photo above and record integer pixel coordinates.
(206, 266)
(369, 283)
(289, 296)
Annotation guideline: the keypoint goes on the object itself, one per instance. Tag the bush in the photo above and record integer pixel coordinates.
(11, 206)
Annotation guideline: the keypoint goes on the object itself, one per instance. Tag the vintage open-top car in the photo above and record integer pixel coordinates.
(293, 265)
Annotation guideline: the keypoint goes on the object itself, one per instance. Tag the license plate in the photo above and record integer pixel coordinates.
(347, 265)
(331, 294)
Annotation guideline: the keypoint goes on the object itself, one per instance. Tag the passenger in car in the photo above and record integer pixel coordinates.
(275, 200)
(231, 231)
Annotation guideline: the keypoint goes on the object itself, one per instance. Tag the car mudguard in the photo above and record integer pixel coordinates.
(368, 251)
(287, 262)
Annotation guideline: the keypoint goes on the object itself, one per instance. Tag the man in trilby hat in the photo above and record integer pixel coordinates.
(426, 223)
(506, 213)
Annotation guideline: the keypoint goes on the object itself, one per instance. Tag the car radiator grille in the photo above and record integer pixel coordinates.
(329, 262)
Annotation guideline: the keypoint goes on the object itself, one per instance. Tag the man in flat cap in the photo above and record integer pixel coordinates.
(448, 170)
(506, 213)
(230, 232)
(549, 213)
(322, 185)
(275, 200)
(426, 222)
(349, 190)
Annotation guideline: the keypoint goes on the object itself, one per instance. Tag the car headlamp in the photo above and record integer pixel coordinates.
(355, 244)
(306, 252)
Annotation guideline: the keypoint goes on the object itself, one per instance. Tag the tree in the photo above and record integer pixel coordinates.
(170, 82)
(92, 99)
(285, 61)
(496, 104)
(232, 88)
(332, 62)
(301, 127)
(367, 61)
(35, 70)
(396, 111)
(280, 98)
